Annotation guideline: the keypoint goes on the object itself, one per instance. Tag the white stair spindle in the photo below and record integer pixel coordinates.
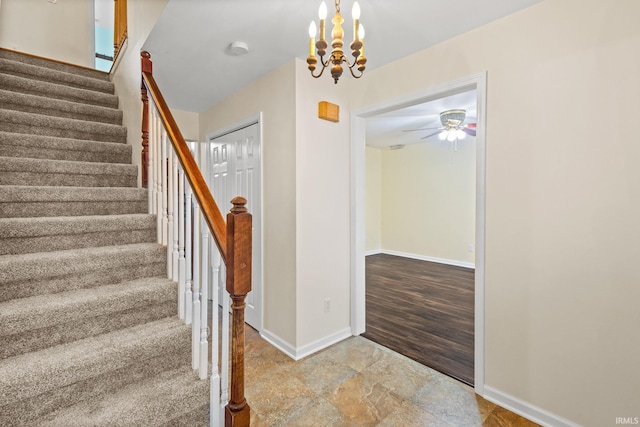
(204, 300)
(158, 173)
(195, 326)
(175, 255)
(224, 345)
(170, 205)
(163, 171)
(188, 255)
(150, 158)
(181, 258)
(214, 404)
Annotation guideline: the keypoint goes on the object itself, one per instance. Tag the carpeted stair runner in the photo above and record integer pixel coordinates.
(88, 329)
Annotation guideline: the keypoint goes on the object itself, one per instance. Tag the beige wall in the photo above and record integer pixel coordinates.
(188, 123)
(563, 198)
(274, 96)
(61, 31)
(373, 241)
(141, 17)
(428, 200)
(322, 209)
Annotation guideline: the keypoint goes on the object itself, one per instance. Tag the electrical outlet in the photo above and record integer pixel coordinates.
(327, 305)
(470, 247)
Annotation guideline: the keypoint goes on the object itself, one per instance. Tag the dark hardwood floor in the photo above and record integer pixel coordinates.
(423, 310)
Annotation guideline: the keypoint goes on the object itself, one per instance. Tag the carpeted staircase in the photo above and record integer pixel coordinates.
(88, 329)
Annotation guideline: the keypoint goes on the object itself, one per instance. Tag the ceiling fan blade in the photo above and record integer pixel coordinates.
(468, 131)
(413, 130)
(430, 135)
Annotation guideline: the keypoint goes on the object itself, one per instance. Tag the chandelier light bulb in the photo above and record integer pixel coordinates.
(312, 29)
(322, 12)
(355, 12)
(361, 32)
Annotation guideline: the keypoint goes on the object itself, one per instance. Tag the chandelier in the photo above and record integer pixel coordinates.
(337, 56)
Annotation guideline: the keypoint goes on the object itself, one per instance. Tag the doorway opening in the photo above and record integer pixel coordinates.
(476, 84)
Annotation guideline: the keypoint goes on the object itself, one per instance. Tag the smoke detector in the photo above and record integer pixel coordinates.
(238, 48)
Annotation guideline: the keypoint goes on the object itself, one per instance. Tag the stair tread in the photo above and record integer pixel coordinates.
(42, 264)
(24, 164)
(47, 226)
(71, 144)
(40, 311)
(29, 374)
(57, 91)
(25, 193)
(53, 107)
(50, 64)
(11, 66)
(150, 403)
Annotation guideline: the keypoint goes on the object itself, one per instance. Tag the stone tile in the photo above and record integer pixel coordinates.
(409, 415)
(362, 401)
(275, 394)
(321, 373)
(317, 413)
(357, 352)
(501, 417)
(453, 402)
(401, 375)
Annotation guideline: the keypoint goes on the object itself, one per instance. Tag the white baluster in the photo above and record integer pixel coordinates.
(204, 301)
(158, 173)
(163, 171)
(188, 255)
(224, 363)
(176, 198)
(214, 383)
(170, 200)
(151, 155)
(195, 326)
(181, 259)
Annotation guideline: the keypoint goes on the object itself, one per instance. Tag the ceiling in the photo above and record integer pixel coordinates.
(189, 43)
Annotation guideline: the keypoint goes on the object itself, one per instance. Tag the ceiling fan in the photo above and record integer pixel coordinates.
(452, 127)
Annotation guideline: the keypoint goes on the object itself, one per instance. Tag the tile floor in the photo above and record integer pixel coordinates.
(359, 383)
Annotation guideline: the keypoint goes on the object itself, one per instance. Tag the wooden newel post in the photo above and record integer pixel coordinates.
(146, 68)
(238, 285)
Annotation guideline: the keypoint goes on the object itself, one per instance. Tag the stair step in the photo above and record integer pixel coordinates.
(22, 69)
(90, 370)
(40, 124)
(59, 108)
(41, 321)
(38, 234)
(51, 64)
(57, 91)
(150, 403)
(49, 147)
(39, 273)
(24, 171)
(37, 201)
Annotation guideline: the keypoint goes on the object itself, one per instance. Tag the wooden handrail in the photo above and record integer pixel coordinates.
(207, 204)
(233, 238)
(119, 25)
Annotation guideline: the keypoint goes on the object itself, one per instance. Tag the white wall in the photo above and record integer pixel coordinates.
(373, 242)
(274, 96)
(428, 200)
(322, 210)
(562, 203)
(61, 31)
(126, 75)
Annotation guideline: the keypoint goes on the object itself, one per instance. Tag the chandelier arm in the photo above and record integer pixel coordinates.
(319, 74)
(353, 74)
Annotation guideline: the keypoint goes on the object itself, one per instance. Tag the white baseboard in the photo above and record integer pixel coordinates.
(305, 350)
(424, 258)
(527, 410)
(373, 252)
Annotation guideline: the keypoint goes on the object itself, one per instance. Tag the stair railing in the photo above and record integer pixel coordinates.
(187, 214)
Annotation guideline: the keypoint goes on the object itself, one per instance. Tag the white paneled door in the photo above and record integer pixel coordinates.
(235, 171)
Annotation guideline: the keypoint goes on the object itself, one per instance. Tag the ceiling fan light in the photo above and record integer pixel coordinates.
(451, 136)
(442, 135)
(460, 134)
